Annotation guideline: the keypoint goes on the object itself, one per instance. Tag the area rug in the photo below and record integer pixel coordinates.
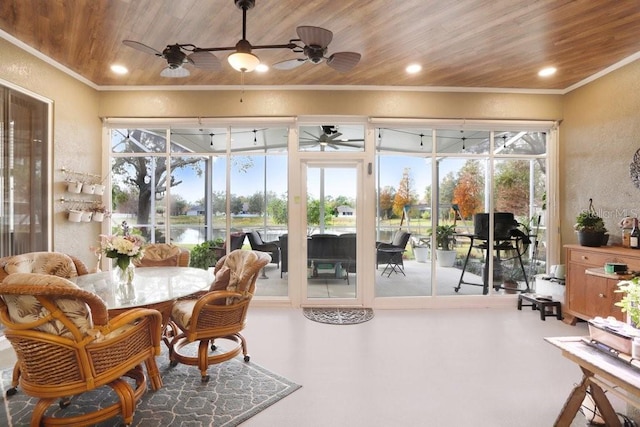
(338, 315)
(236, 392)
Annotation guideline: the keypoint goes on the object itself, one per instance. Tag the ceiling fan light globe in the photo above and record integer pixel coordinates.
(243, 62)
(175, 72)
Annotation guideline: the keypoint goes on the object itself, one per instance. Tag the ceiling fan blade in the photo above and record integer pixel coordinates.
(315, 137)
(289, 64)
(343, 61)
(314, 36)
(334, 136)
(141, 47)
(205, 60)
(175, 72)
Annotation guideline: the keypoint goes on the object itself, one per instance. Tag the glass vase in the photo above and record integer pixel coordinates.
(125, 272)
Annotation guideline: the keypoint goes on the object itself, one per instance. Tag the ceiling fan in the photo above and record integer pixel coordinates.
(315, 45)
(329, 137)
(316, 40)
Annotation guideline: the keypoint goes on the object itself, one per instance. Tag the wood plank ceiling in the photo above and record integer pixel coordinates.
(463, 43)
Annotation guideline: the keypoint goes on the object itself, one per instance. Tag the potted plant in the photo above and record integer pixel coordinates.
(206, 254)
(445, 239)
(630, 302)
(590, 228)
(99, 213)
(421, 247)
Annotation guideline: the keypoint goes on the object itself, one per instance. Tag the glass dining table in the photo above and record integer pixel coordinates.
(152, 287)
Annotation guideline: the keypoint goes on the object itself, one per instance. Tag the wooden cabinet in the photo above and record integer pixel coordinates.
(589, 290)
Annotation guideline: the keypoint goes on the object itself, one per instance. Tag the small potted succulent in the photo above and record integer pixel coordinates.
(590, 227)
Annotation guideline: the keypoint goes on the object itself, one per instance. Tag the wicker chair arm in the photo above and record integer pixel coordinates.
(132, 316)
(81, 268)
(212, 296)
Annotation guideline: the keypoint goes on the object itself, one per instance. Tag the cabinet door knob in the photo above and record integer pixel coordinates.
(584, 257)
(601, 295)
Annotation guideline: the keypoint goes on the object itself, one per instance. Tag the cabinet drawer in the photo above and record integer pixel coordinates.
(590, 258)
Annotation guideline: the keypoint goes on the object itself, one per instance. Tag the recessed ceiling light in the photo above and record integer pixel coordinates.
(119, 69)
(261, 68)
(546, 72)
(414, 68)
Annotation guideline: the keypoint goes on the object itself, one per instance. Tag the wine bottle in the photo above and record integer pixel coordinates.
(634, 238)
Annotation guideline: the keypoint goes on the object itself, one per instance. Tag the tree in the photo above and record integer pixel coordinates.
(277, 209)
(403, 196)
(256, 203)
(469, 192)
(179, 205)
(148, 175)
(445, 195)
(512, 187)
(386, 202)
(218, 201)
(313, 212)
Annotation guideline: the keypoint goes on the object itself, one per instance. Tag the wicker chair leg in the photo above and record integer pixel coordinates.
(153, 373)
(243, 344)
(39, 410)
(203, 359)
(15, 380)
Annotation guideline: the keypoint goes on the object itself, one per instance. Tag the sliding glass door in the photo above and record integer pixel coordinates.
(24, 174)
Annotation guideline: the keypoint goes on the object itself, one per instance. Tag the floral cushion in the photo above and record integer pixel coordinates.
(222, 279)
(160, 255)
(172, 261)
(181, 312)
(53, 263)
(26, 308)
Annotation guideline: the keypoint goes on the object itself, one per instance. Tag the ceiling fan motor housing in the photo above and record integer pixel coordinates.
(245, 4)
(315, 53)
(174, 56)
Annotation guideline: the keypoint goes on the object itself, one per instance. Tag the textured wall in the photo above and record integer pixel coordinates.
(77, 137)
(325, 102)
(599, 136)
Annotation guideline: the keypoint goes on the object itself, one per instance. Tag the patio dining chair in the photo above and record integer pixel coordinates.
(218, 314)
(272, 247)
(399, 241)
(66, 345)
(52, 263)
(163, 255)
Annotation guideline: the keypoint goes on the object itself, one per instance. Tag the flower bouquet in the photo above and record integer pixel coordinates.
(123, 249)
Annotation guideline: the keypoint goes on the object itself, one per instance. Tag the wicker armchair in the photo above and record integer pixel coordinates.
(66, 345)
(163, 255)
(218, 314)
(53, 263)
